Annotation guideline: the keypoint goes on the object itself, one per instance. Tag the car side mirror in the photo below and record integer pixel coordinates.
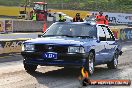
(40, 35)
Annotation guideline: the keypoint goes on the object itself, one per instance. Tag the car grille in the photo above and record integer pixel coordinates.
(51, 48)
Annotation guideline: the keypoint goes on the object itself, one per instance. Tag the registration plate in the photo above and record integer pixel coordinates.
(50, 55)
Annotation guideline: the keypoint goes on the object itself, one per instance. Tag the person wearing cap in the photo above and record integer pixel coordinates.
(77, 18)
(106, 21)
(100, 19)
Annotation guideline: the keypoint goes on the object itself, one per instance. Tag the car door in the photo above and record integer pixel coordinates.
(101, 45)
(107, 45)
(110, 44)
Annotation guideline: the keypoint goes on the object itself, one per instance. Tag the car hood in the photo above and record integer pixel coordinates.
(59, 41)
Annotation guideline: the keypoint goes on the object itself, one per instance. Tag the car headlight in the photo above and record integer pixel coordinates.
(27, 47)
(73, 49)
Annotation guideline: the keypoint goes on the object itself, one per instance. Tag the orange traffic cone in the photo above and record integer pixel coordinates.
(44, 27)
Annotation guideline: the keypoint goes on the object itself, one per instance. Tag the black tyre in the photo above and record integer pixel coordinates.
(114, 63)
(30, 68)
(90, 63)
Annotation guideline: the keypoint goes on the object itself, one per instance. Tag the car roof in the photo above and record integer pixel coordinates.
(84, 23)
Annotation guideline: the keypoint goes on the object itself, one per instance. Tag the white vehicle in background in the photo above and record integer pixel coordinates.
(54, 16)
(68, 18)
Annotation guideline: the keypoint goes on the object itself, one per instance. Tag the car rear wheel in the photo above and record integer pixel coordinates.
(114, 63)
(30, 68)
(90, 63)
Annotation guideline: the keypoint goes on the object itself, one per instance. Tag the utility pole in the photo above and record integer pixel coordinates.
(26, 2)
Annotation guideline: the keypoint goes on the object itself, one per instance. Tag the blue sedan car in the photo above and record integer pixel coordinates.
(72, 44)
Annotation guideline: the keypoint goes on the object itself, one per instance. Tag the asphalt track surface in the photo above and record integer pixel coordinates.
(13, 75)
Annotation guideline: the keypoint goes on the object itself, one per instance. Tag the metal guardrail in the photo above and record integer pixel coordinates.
(29, 26)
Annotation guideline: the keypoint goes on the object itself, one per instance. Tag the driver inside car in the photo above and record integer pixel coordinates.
(65, 31)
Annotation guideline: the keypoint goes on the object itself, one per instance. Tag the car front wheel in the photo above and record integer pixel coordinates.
(114, 63)
(90, 63)
(30, 68)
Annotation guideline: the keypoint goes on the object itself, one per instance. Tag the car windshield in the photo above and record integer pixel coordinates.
(38, 7)
(71, 30)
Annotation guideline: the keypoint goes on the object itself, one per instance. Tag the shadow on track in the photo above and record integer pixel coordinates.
(66, 76)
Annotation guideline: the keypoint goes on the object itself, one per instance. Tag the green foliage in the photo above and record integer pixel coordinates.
(81, 5)
(104, 5)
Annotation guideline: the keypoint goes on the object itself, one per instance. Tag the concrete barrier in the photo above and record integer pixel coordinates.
(22, 26)
(29, 26)
(32, 26)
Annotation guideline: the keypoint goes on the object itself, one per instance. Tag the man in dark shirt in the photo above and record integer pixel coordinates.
(77, 18)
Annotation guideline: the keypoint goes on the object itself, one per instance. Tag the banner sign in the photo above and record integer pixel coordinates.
(1, 49)
(8, 25)
(13, 46)
(116, 32)
(2, 26)
(117, 18)
(126, 34)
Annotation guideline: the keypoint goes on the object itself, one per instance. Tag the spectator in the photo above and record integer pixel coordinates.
(34, 16)
(77, 18)
(54, 17)
(87, 17)
(61, 18)
(96, 14)
(92, 15)
(100, 19)
(106, 21)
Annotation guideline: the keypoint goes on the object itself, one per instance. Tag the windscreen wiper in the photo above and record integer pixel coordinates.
(57, 35)
(65, 35)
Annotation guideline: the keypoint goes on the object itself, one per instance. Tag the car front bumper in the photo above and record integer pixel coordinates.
(63, 59)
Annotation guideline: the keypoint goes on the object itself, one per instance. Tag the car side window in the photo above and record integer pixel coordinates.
(101, 33)
(108, 36)
(112, 38)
